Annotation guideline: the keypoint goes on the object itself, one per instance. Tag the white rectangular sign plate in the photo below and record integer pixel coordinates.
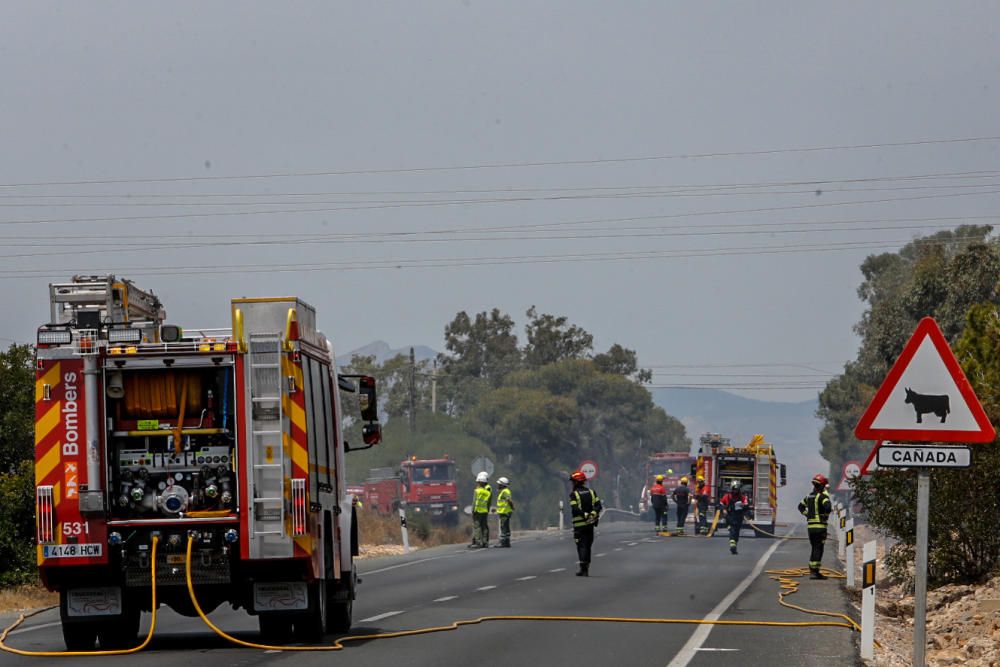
(918, 456)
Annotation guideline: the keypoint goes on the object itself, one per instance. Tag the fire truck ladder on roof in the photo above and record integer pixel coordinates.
(266, 453)
(110, 299)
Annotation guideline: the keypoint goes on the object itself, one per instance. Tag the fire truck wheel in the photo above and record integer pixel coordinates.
(310, 625)
(79, 636)
(339, 613)
(275, 628)
(121, 632)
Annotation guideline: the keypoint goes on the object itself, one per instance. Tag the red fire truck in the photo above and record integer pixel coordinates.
(229, 438)
(427, 486)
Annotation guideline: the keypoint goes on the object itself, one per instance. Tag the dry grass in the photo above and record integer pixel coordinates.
(27, 596)
(375, 530)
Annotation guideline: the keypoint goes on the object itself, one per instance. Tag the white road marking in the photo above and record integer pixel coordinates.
(716, 649)
(633, 544)
(486, 588)
(412, 562)
(379, 617)
(599, 555)
(273, 650)
(528, 578)
(618, 549)
(558, 569)
(446, 598)
(690, 648)
(41, 626)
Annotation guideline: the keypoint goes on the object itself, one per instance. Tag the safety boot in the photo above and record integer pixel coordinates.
(584, 570)
(814, 573)
(732, 547)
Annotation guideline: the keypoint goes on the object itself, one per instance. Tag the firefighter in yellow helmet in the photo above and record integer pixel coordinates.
(682, 498)
(701, 499)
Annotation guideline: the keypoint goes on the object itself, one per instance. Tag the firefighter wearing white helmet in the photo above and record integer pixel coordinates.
(505, 507)
(481, 499)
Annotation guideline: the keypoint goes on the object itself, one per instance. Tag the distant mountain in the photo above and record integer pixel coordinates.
(792, 428)
(382, 352)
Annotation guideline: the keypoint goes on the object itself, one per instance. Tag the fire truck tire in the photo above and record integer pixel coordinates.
(311, 625)
(339, 612)
(275, 628)
(121, 632)
(79, 636)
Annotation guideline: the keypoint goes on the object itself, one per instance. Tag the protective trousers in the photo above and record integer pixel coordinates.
(505, 530)
(817, 536)
(702, 519)
(659, 512)
(682, 515)
(584, 537)
(735, 526)
(480, 529)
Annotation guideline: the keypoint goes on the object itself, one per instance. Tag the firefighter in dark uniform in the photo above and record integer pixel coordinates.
(586, 508)
(736, 505)
(701, 499)
(816, 508)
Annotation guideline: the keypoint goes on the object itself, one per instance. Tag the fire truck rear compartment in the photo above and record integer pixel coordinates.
(171, 442)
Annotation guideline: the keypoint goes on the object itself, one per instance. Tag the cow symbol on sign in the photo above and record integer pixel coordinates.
(940, 405)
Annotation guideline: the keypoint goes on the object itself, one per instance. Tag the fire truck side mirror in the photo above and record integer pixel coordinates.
(371, 433)
(367, 398)
(784, 475)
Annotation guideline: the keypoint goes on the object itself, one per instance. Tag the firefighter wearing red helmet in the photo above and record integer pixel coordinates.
(816, 508)
(586, 508)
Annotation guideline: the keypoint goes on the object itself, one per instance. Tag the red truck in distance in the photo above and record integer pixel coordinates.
(427, 486)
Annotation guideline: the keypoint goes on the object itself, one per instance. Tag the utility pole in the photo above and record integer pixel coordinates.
(434, 388)
(413, 391)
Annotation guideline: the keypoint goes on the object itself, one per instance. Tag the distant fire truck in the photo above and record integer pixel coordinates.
(673, 466)
(754, 466)
(229, 438)
(426, 486)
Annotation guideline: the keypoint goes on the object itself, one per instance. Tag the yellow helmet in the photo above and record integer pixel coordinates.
(701, 478)
(684, 480)
(659, 478)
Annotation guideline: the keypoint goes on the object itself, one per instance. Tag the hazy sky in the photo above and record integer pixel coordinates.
(128, 91)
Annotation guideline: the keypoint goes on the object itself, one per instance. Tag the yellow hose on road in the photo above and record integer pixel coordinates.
(339, 644)
(56, 654)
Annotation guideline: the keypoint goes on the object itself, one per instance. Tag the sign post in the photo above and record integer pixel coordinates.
(402, 527)
(850, 553)
(925, 381)
(868, 601)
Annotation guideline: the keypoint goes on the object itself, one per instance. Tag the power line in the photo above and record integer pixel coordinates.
(178, 216)
(508, 165)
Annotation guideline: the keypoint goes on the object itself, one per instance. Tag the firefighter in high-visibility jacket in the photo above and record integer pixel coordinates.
(736, 505)
(816, 508)
(481, 499)
(586, 508)
(505, 507)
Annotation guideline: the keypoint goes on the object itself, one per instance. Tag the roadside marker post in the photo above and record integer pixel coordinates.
(561, 517)
(841, 526)
(868, 601)
(402, 527)
(850, 553)
(926, 379)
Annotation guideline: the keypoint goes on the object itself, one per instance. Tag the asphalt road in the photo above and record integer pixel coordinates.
(634, 574)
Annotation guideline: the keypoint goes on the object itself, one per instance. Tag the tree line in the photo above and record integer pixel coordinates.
(953, 277)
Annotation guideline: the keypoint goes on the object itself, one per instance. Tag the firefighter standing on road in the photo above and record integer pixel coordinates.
(737, 505)
(682, 496)
(505, 507)
(481, 499)
(586, 508)
(658, 501)
(816, 507)
(701, 502)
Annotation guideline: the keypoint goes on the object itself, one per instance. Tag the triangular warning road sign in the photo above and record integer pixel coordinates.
(926, 396)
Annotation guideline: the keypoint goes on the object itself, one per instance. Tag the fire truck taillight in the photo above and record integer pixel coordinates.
(298, 507)
(45, 513)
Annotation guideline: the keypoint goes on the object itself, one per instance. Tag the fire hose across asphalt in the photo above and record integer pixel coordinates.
(56, 654)
(786, 578)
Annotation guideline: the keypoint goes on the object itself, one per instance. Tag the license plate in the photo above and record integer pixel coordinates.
(71, 550)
